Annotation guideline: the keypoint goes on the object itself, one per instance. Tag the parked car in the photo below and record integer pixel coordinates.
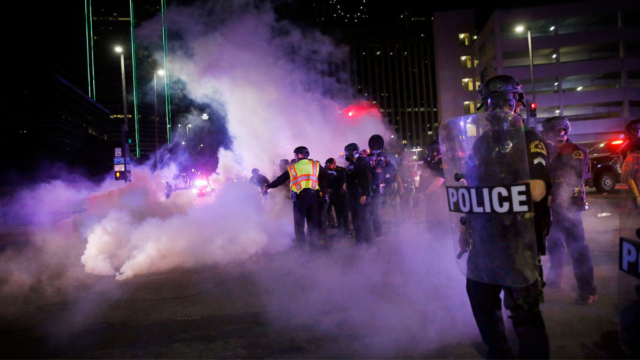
(606, 165)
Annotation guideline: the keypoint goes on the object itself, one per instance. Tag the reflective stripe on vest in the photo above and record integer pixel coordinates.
(304, 175)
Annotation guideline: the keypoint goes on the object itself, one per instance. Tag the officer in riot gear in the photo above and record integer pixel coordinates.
(569, 169)
(338, 199)
(304, 176)
(359, 190)
(258, 179)
(497, 179)
(377, 191)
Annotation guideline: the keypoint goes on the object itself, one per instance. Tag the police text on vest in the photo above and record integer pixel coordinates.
(494, 200)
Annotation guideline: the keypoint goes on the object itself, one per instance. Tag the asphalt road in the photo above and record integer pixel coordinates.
(395, 301)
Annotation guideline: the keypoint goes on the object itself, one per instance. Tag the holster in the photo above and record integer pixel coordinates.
(543, 218)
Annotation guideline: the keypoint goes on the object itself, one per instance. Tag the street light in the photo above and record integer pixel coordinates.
(155, 99)
(188, 126)
(125, 126)
(520, 28)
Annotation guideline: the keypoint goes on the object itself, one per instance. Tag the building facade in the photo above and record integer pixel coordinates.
(586, 62)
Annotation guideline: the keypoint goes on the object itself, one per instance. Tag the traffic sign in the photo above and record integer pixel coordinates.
(118, 152)
(120, 160)
(118, 167)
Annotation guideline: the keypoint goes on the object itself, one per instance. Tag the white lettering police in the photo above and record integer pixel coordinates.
(497, 200)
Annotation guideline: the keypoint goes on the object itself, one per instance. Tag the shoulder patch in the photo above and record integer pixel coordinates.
(538, 146)
(443, 166)
(578, 154)
(378, 170)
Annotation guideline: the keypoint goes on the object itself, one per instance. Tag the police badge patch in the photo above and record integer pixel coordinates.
(578, 154)
(538, 146)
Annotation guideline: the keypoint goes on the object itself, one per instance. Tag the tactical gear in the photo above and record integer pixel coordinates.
(499, 91)
(255, 172)
(489, 198)
(553, 126)
(376, 144)
(304, 175)
(302, 150)
(351, 151)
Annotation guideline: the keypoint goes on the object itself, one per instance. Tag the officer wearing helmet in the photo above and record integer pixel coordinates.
(359, 190)
(502, 255)
(377, 191)
(258, 179)
(569, 169)
(338, 199)
(632, 135)
(304, 178)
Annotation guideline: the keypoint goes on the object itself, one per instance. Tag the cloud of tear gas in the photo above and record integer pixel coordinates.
(268, 78)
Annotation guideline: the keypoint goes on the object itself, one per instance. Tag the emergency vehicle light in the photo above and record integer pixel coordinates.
(617, 142)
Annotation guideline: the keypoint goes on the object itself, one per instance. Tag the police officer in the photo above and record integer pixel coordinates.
(304, 176)
(338, 198)
(499, 253)
(258, 179)
(359, 190)
(168, 189)
(632, 135)
(569, 169)
(377, 191)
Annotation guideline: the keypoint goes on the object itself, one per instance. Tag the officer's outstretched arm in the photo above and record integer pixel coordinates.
(538, 189)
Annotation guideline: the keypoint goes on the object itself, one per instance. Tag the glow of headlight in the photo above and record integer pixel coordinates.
(201, 182)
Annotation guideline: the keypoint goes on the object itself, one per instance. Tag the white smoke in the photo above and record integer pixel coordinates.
(260, 74)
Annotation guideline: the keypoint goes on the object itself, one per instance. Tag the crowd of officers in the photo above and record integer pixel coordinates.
(557, 171)
(351, 197)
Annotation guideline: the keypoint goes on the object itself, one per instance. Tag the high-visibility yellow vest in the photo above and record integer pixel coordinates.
(304, 175)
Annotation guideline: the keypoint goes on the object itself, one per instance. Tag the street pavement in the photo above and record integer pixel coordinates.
(402, 299)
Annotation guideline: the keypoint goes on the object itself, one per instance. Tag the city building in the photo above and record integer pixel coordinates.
(46, 121)
(390, 62)
(586, 62)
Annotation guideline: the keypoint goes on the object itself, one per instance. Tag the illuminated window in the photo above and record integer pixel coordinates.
(469, 107)
(467, 84)
(466, 62)
(464, 39)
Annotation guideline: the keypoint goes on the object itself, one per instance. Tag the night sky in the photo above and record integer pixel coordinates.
(53, 32)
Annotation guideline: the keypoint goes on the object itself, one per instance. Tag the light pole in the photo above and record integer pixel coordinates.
(125, 126)
(188, 126)
(533, 82)
(155, 99)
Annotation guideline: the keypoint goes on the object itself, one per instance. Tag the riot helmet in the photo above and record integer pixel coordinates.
(556, 128)
(501, 92)
(301, 151)
(351, 152)
(376, 143)
(255, 171)
(632, 129)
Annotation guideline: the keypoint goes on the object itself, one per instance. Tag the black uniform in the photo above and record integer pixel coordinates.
(305, 206)
(259, 180)
(338, 198)
(522, 301)
(359, 185)
(569, 169)
(390, 199)
(377, 191)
